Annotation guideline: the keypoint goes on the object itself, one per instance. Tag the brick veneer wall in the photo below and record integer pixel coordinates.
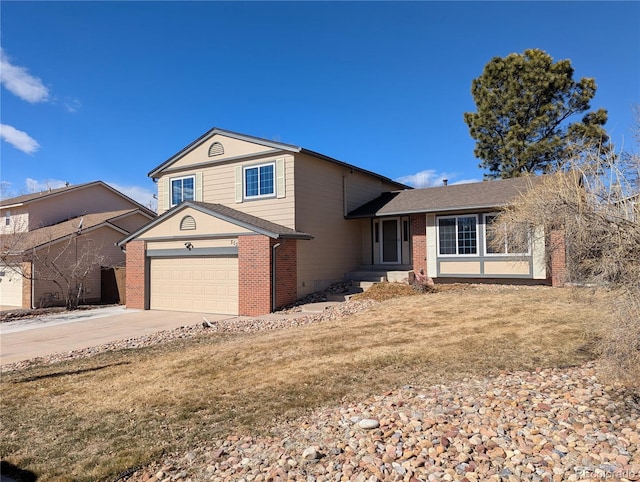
(254, 275)
(135, 276)
(26, 285)
(558, 258)
(419, 242)
(286, 271)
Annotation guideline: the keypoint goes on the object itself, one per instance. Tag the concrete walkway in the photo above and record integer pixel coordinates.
(29, 338)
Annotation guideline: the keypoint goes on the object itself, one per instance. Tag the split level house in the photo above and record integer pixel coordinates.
(64, 239)
(247, 225)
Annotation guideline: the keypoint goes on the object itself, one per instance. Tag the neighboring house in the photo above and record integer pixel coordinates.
(57, 230)
(248, 225)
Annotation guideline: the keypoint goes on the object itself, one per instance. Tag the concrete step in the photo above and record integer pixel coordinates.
(367, 276)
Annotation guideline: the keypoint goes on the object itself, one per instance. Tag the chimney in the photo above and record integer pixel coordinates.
(445, 181)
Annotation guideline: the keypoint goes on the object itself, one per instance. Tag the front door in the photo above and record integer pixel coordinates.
(390, 236)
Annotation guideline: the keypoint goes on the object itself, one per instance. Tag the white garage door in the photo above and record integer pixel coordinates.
(10, 288)
(203, 285)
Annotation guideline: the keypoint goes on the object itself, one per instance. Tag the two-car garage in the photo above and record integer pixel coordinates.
(198, 284)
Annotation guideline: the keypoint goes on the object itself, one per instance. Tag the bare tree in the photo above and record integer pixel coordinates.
(594, 200)
(61, 263)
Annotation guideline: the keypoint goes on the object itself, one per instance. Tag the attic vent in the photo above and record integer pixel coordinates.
(187, 223)
(216, 149)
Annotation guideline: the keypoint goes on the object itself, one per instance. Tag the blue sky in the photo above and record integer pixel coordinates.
(109, 90)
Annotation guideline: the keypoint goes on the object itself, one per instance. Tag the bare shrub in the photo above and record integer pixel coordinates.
(595, 201)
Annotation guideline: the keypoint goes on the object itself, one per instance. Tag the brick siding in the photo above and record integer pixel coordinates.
(286, 271)
(558, 258)
(135, 275)
(419, 242)
(254, 273)
(26, 285)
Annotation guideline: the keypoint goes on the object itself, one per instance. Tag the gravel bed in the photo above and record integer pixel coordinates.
(204, 329)
(547, 425)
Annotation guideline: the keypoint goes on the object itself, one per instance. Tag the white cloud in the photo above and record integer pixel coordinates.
(466, 181)
(138, 193)
(426, 178)
(431, 178)
(18, 139)
(20, 82)
(34, 185)
(72, 105)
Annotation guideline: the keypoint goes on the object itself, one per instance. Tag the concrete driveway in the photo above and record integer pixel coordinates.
(36, 337)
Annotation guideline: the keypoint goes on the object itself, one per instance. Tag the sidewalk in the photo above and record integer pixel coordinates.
(25, 339)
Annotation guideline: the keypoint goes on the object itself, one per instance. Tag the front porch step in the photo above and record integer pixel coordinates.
(398, 276)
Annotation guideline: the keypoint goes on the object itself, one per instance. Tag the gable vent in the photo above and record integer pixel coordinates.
(187, 223)
(216, 149)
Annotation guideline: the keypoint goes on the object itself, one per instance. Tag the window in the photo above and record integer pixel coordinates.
(457, 235)
(182, 189)
(259, 181)
(514, 243)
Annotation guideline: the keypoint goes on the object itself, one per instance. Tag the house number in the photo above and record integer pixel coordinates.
(234, 242)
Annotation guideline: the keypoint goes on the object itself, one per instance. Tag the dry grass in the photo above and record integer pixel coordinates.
(91, 419)
(387, 291)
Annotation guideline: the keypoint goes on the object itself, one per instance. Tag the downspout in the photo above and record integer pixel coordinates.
(273, 276)
(33, 286)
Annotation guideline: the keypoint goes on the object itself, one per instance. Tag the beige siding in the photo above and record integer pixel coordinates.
(362, 188)
(93, 199)
(205, 225)
(432, 247)
(337, 245)
(197, 244)
(506, 267)
(462, 268)
(218, 186)
(100, 242)
(18, 220)
(538, 254)
(131, 222)
(232, 148)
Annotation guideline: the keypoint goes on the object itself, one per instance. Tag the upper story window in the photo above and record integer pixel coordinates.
(259, 181)
(499, 244)
(182, 189)
(458, 235)
(7, 219)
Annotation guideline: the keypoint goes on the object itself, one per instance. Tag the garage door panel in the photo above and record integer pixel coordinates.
(10, 288)
(208, 285)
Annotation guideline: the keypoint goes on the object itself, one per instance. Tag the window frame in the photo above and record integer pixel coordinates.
(457, 253)
(272, 194)
(506, 252)
(181, 178)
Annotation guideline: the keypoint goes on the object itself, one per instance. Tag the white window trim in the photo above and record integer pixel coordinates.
(457, 255)
(486, 244)
(244, 181)
(192, 176)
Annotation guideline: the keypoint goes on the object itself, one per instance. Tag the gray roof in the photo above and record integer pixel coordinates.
(248, 221)
(253, 223)
(51, 234)
(50, 193)
(452, 198)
